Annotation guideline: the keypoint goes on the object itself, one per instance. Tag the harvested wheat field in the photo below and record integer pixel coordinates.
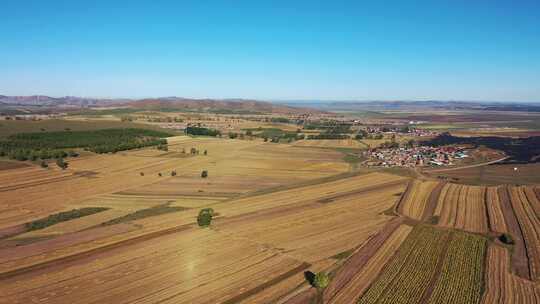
(280, 211)
(463, 207)
(502, 286)
(420, 199)
(257, 230)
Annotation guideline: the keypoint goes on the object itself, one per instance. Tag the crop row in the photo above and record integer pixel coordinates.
(406, 277)
(461, 275)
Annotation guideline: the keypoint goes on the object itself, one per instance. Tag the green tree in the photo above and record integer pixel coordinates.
(321, 280)
(61, 163)
(204, 219)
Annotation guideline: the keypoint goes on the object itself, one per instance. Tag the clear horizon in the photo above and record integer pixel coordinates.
(279, 51)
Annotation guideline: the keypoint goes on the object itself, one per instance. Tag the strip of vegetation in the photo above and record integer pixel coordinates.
(202, 131)
(328, 136)
(62, 217)
(48, 145)
(144, 213)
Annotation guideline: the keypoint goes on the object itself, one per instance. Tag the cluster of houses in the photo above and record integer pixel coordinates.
(400, 130)
(416, 156)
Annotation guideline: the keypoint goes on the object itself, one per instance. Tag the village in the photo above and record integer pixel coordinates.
(415, 156)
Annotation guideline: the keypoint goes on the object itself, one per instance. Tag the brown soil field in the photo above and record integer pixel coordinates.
(492, 175)
(501, 286)
(6, 165)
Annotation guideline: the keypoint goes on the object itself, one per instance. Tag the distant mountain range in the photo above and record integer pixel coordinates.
(164, 103)
(239, 106)
(47, 101)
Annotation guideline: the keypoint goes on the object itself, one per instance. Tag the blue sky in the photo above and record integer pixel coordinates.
(353, 50)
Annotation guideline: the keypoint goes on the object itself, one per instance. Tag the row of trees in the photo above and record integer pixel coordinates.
(25, 154)
(328, 136)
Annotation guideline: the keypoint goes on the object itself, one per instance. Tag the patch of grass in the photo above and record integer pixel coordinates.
(62, 217)
(144, 213)
(352, 159)
(434, 220)
(343, 255)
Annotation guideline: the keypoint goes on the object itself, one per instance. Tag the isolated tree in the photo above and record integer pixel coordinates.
(204, 174)
(159, 174)
(204, 219)
(61, 163)
(321, 280)
(205, 152)
(142, 173)
(173, 173)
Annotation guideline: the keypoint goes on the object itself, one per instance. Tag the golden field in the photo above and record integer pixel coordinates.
(281, 210)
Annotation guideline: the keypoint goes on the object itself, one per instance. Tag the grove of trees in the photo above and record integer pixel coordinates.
(47, 145)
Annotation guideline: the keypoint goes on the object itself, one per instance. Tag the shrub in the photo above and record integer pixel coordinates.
(204, 174)
(506, 239)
